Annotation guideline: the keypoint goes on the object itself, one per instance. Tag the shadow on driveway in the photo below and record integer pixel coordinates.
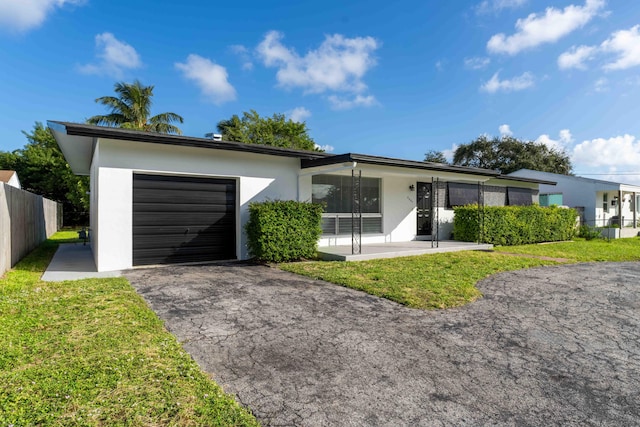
(545, 346)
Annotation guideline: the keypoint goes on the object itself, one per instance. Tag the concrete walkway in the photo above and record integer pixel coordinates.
(398, 249)
(74, 261)
(553, 346)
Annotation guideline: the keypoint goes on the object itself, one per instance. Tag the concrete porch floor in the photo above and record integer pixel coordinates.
(399, 249)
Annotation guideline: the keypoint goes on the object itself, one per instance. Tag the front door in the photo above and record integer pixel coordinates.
(423, 205)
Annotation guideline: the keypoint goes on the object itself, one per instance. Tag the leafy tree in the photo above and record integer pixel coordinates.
(507, 154)
(435, 156)
(42, 169)
(276, 131)
(131, 110)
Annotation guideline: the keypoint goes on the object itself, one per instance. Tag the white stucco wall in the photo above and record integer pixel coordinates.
(259, 178)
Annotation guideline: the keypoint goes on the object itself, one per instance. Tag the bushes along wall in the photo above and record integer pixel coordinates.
(280, 231)
(514, 225)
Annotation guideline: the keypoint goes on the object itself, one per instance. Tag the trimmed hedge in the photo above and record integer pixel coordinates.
(283, 230)
(515, 225)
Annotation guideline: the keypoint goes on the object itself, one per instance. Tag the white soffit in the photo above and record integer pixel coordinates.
(77, 150)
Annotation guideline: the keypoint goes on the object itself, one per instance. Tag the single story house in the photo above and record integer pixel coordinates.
(159, 198)
(600, 203)
(10, 178)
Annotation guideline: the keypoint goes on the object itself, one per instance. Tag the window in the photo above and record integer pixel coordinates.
(519, 196)
(605, 202)
(461, 194)
(335, 194)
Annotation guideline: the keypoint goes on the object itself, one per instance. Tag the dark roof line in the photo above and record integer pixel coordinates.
(92, 131)
(388, 161)
(523, 179)
(308, 159)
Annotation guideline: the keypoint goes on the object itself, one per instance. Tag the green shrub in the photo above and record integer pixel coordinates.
(588, 232)
(513, 225)
(280, 231)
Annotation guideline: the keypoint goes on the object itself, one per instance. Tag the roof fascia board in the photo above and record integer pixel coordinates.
(138, 136)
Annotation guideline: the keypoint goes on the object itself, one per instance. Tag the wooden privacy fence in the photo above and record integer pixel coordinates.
(26, 220)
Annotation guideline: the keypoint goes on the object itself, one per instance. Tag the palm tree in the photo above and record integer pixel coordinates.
(131, 109)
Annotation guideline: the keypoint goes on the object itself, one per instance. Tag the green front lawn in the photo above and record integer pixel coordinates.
(91, 352)
(580, 250)
(448, 279)
(440, 280)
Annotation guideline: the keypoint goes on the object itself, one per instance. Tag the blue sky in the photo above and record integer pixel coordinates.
(385, 78)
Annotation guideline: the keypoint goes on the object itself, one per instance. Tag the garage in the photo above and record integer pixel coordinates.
(178, 219)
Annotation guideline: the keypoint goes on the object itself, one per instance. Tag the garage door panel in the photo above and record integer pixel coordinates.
(176, 241)
(150, 230)
(162, 219)
(184, 197)
(171, 255)
(183, 183)
(171, 207)
(183, 219)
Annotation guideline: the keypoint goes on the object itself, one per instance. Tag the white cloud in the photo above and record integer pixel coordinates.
(536, 29)
(497, 5)
(601, 85)
(448, 154)
(243, 54)
(562, 143)
(114, 57)
(299, 114)
(521, 82)
(477, 63)
(23, 15)
(211, 78)
(576, 57)
(339, 103)
(505, 130)
(626, 44)
(326, 148)
(339, 64)
(617, 151)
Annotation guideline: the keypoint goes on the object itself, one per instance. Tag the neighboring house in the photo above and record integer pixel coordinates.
(159, 198)
(10, 178)
(601, 203)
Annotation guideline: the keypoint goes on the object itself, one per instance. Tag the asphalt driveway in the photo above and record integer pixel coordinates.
(546, 346)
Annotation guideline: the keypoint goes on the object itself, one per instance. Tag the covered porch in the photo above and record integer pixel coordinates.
(399, 249)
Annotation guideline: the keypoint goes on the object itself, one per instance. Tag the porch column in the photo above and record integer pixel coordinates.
(356, 213)
(620, 208)
(635, 208)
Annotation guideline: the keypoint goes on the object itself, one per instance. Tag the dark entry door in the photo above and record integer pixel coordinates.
(183, 219)
(423, 205)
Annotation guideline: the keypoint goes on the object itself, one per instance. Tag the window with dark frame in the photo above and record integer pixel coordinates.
(605, 202)
(461, 194)
(519, 196)
(335, 194)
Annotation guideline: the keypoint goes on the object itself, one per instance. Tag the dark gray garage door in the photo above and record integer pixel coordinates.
(183, 219)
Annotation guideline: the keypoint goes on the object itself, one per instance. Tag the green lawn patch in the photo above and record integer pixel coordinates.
(91, 352)
(431, 281)
(448, 279)
(581, 250)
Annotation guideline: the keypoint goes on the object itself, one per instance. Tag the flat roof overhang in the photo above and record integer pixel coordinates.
(77, 142)
(388, 161)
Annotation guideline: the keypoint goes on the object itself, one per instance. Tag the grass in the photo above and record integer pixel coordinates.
(91, 352)
(448, 279)
(440, 280)
(580, 250)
